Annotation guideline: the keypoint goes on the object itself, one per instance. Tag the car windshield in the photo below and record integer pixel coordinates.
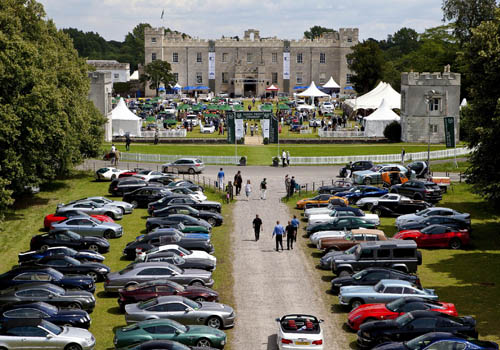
(70, 251)
(50, 308)
(395, 305)
(125, 270)
(73, 235)
(73, 261)
(423, 212)
(351, 250)
(418, 343)
(185, 251)
(52, 328)
(148, 303)
(192, 304)
(176, 269)
(56, 289)
(94, 220)
(359, 275)
(56, 274)
(379, 287)
(333, 213)
(404, 320)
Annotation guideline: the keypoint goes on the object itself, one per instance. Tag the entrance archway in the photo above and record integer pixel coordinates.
(249, 87)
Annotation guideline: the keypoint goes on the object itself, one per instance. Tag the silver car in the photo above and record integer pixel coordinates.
(182, 310)
(40, 334)
(383, 292)
(369, 202)
(88, 226)
(435, 211)
(126, 208)
(184, 165)
(147, 271)
(92, 208)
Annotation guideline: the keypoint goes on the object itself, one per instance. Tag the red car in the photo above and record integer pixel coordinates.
(437, 236)
(53, 218)
(151, 289)
(394, 309)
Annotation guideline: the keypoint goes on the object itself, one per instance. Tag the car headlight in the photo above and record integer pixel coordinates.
(223, 342)
(356, 318)
(365, 335)
(103, 270)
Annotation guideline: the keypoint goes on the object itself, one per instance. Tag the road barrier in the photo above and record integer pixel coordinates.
(167, 158)
(340, 134)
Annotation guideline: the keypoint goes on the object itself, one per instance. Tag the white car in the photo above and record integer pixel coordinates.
(182, 252)
(304, 107)
(207, 129)
(126, 208)
(344, 212)
(108, 173)
(299, 331)
(196, 195)
(316, 211)
(369, 202)
(327, 107)
(316, 236)
(193, 119)
(147, 175)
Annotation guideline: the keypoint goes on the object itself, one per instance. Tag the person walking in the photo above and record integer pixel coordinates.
(127, 141)
(229, 192)
(156, 136)
(283, 158)
(220, 179)
(117, 157)
(112, 154)
(237, 182)
(288, 158)
(257, 227)
(293, 183)
(290, 235)
(278, 232)
(248, 189)
(295, 223)
(287, 185)
(263, 189)
(403, 153)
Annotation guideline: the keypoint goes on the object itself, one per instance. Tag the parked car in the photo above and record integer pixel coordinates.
(340, 223)
(147, 174)
(147, 271)
(369, 202)
(452, 222)
(66, 264)
(123, 185)
(186, 254)
(356, 166)
(437, 236)
(396, 254)
(54, 218)
(174, 219)
(374, 175)
(182, 310)
(49, 293)
(162, 287)
(82, 255)
(400, 206)
(423, 190)
(435, 211)
(394, 309)
(212, 206)
(439, 340)
(92, 208)
(196, 195)
(165, 329)
(355, 193)
(88, 226)
(336, 203)
(371, 276)
(350, 239)
(315, 237)
(214, 219)
(126, 208)
(180, 262)
(338, 186)
(51, 313)
(108, 173)
(164, 345)
(141, 197)
(420, 168)
(413, 324)
(36, 333)
(186, 183)
(327, 107)
(130, 172)
(325, 263)
(299, 331)
(317, 200)
(164, 180)
(344, 212)
(68, 239)
(184, 165)
(192, 119)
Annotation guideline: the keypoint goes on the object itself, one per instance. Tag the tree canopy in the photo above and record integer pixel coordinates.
(367, 61)
(317, 32)
(48, 123)
(156, 73)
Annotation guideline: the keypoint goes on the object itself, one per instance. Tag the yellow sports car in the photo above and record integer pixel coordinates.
(321, 200)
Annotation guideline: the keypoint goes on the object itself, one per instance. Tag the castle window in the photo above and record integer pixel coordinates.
(299, 78)
(116, 75)
(176, 77)
(434, 104)
(198, 57)
(322, 57)
(225, 78)
(348, 78)
(153, 40)
(274, 57)
(153, 56)
(322, 78)
(349, 39)
(433, 128)
(199, 78)
(175, 57)
(225, 55)
(249, 57)
(299, 58)
(274, 77)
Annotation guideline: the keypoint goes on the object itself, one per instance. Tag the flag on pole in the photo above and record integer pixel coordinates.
(162, 13)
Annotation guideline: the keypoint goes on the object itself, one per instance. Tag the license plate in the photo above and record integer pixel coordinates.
(301, 343)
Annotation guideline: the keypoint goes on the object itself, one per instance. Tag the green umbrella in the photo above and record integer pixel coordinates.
(238, 107)
(283, 106)
(213, 107)
(183, 107)
(266, 107)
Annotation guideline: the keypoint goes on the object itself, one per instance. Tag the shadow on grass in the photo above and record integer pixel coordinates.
(27, 200)
(338, 309)
(353, 345)
(13, 216)
(107, 295)
(326, 278)
(115, 310)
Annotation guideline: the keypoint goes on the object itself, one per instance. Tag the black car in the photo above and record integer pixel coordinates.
(51, 313)
(141, 197)
(212, 218)
(356, 166)
(23, 275)
(69, 239)
(119, 187)
(180, 199)
(186, 183)
(395, 208)
(338, 186)
(175, 219)
(420, 168)
(82, 255)
(67, 264)
(413, 324)
(163, 180)
(174, 259)
(49, 293)
(371, 276)
(158, 238)
(420, 190)
(435, 220)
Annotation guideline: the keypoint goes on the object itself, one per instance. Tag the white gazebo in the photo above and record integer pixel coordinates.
(313, 91)
(376, 122)
(331, 84)
(124, 121)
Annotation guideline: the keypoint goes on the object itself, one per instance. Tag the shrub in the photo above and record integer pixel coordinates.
(266, 140)
(392, 132)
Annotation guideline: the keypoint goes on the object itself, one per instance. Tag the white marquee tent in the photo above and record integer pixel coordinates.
(123, 120)
(376, 122)
(331, 84)
(312, 91)
(373, 99)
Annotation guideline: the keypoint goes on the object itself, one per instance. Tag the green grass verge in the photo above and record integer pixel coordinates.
(27, 220)
(468, 278)
(450, 167)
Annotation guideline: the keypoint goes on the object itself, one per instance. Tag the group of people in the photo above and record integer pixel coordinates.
(279, 232)
(234, 187)
(290, 185)
(114, 155)
(285, 158)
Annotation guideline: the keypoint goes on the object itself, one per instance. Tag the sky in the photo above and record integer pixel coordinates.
(211, 19)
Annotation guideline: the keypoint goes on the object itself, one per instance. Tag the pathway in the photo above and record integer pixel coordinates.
(253, 140)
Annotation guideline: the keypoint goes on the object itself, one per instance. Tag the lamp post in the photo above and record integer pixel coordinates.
(428, 98)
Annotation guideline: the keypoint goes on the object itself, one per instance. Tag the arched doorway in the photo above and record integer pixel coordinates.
(249, 87)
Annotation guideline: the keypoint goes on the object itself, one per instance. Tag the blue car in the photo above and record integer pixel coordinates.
(51, 313)
(24, 275)
(82, 255)
(441, 341)
(358, 192)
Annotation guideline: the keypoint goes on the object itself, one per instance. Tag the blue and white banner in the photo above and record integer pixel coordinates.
(239, 128)
(211, 65)
(286, 65)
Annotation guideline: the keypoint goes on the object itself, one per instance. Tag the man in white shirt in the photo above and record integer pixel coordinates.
(283, 158)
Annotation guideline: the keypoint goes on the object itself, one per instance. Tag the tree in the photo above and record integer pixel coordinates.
(401, 43)
(48, 123)
(481, 60)
(132, 50)
(317, 32)
(467, 14)
(392, 132)
(156, 73)
(367, 62)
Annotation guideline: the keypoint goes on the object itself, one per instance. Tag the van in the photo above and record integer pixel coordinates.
(396, 254)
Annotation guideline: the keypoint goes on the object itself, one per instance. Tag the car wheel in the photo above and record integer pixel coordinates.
(455, 243)
(67, 325)
(74, 306)
(108, 234)
(200, 299)
(344, 273)
(93, 275)
(203, 343)
(214, 322)
(134, 204)
(213, 210)
(197, 284)
(73, 347)
(369, 206)
(356, 303)
(94, 248)
(191, 171)
(110, 214)
(113, 177)
(212, 221)
(122, 209)
(44, 247)
(367, 181)
(378, 212)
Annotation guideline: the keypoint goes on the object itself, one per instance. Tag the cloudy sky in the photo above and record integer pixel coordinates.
(210, 19)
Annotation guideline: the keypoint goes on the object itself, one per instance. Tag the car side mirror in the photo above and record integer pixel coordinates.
(49, 336)
(177, 332)
(189, 309)
(277, 319)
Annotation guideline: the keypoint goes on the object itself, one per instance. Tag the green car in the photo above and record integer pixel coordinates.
(202, 336)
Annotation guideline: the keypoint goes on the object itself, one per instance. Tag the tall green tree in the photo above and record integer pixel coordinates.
(467, 14)
(403, 42)
(132, 50)
(157, 73)
(481, 60)
(317, 32)
(48, 124)
(367, 62)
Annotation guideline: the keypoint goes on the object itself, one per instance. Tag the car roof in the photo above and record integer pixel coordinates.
(193, 159)
(152, 264)
(384, 269)
(391, 243)
(427, 313)
(368, 232)
(157, 321)
(13, 323)
(396, 283)
(167, 298)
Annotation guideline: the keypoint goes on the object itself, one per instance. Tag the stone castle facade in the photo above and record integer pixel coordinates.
(246, 66)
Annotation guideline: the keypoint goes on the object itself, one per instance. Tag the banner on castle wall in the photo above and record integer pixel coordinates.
(286, 65)
(239, 129)
(449, 131)
(211, 65)
(264, 125)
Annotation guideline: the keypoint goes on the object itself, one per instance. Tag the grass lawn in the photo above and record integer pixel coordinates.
(468, 278)
(262, 155)
(450, 167)
(27, 220)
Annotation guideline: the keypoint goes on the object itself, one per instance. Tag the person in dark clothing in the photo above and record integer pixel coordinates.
(290, 235)
(127, 141)
(238, 180)
(156, 137)
(257, 227)
(278, 231)
(293, 183)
